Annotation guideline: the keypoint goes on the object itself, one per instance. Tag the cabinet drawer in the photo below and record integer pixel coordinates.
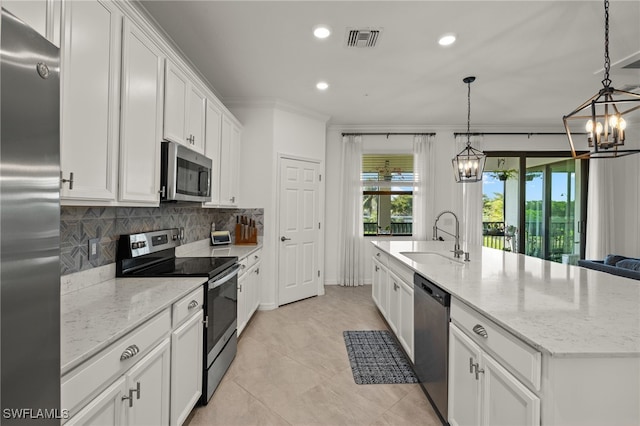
(254, 258)
(519, 358)
(402, 271)
(244, 266)
(187, 306)
(84, 382)
(381, 256)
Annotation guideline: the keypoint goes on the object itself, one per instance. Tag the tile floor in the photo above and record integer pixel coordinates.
(292, 369)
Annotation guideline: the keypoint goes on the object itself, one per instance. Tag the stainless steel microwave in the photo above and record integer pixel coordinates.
(185, 175)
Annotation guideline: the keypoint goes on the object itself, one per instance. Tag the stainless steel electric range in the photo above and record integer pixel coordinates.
(152, 254)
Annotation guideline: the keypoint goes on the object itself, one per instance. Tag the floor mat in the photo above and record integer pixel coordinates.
(376, 358)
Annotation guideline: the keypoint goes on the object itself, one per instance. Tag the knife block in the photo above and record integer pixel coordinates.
(246, 235)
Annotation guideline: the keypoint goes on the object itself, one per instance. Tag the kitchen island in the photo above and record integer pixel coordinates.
(580, 328)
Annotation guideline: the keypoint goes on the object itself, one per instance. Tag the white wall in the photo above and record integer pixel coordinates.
(627, 193)
(271, 128)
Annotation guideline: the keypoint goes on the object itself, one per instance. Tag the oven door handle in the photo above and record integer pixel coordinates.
(213, 283)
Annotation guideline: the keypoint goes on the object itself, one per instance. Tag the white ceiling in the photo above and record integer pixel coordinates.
(534, 60)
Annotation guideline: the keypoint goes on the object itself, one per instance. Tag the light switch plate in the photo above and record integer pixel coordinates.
(94, 248)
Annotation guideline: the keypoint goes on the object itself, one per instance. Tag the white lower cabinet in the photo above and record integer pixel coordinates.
(105, 409)
(481, 391)
(392, 292)
(186, 368)
(248, 289)
(147, 398)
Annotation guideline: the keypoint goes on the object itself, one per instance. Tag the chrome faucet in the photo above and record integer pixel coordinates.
(457, 251)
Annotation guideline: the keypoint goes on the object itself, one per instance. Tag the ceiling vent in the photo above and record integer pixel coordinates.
(362, 37)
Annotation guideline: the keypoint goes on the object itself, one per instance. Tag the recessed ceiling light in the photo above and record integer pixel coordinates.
(322, 85)
(321, 31)
(447, 39)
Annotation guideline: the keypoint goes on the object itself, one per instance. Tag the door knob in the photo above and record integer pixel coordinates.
(283, 238)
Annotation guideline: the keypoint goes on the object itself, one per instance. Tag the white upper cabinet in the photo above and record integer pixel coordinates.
(141, 117)
(175, 104)
(184, 109)
(90, 69)
(41, 15)
(212, 147)
(196, 116)
(229, 163)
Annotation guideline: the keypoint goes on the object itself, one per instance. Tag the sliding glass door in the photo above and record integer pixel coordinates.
(543, 198)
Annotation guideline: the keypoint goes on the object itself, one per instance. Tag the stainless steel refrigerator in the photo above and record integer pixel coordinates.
(29, 226)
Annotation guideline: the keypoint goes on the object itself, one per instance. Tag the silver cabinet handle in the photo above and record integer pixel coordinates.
(283, 238)
(377, 268)
(479, 371)
(471, 365)
(395, 286)
(256, 257)
(257, 271)
(70, 180)
(130, 352)
(480, 331)
(130, 397)
(163, 191)
(240, 288)
(192, 304)
(232, 199)
(378, 254)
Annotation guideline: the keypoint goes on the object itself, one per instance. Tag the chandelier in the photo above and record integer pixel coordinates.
(603, 115)
(468, 165)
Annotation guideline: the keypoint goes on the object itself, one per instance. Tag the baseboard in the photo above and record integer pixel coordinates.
(267, 306)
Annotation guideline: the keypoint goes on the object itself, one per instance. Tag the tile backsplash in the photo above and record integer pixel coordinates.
(80, 224)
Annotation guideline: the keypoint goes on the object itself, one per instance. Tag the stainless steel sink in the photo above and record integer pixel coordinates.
(429, 256)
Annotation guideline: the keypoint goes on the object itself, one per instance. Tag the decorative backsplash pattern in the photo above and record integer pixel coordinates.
(80, 224)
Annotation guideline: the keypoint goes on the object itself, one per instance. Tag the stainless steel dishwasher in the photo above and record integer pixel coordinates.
(431, 306)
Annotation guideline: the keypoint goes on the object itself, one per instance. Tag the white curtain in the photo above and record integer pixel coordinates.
(424, 186)
(600, 232)
(469, 201)
(351, 249)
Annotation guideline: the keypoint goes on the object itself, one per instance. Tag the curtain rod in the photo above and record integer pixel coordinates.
(387, 134)
(528, 134)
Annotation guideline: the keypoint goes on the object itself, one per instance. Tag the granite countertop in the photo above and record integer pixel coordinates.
(561, 310)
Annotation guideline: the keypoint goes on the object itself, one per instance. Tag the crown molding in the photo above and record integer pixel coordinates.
(273, 103)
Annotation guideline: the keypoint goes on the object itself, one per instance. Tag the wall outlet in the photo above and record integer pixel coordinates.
(94, 248)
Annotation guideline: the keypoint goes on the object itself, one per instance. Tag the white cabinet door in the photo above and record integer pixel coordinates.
(383, 293)
(212, 148)
(464, 389)
(505, 400)
(186, 368)
(376, 276)
(90, 69)
(405, 334)
(148, 385)
(242, 301)
(106, 409)
(393, 312)
(196, 119)
(175, 104)
(229, 162)
(141, 117)
(255, 291)
(41, 15)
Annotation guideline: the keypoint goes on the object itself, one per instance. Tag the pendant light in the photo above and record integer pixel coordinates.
(603, 115)
(468, 165)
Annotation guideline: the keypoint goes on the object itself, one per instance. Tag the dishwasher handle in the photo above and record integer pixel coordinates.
(432, 290)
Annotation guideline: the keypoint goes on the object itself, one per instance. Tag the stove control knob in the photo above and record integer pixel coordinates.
(134, 245)
(142, 244)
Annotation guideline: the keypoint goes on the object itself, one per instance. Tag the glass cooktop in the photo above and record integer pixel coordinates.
(187, 267)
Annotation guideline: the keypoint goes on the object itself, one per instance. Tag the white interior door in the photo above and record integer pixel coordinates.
(299, 236)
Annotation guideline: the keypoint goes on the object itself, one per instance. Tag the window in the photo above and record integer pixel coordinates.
(387, 194)
(535, 203)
